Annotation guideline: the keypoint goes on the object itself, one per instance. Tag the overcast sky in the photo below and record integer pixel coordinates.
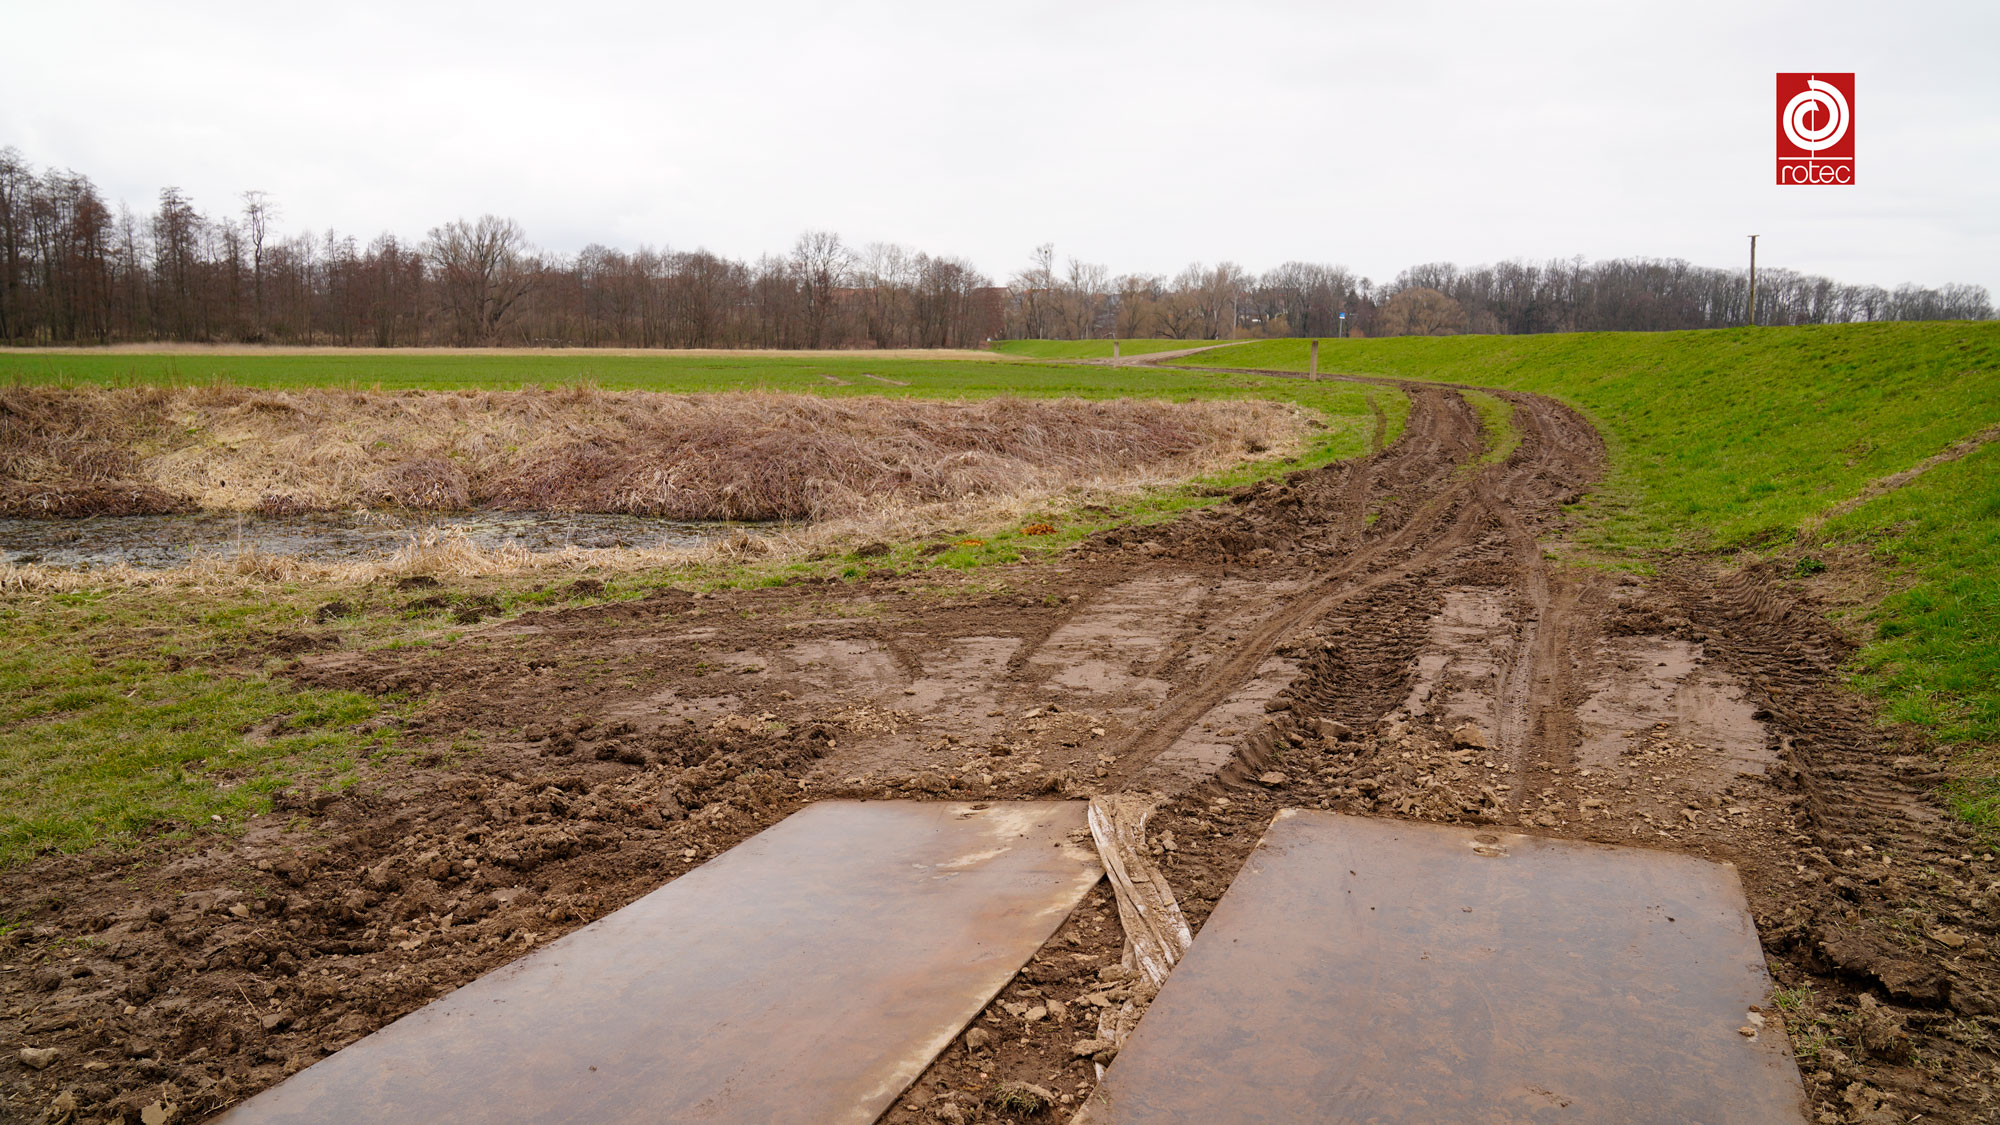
(1139, 135)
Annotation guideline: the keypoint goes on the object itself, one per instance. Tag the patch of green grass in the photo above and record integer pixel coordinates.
(1496, 421)
(1092, 349)
(1020, 1098)
(1935, 656)
(102, 740)
(129, 713)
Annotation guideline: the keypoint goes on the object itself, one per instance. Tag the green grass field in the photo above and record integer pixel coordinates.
(686, 374)
(1091, 349)
(1742, 440)
(130, 712)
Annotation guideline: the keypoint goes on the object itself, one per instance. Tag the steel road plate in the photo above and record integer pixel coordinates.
(1377, 970)
(808, 974)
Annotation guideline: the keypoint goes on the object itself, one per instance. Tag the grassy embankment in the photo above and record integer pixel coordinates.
(126, 711)
(1092, 349)
(1762, 441)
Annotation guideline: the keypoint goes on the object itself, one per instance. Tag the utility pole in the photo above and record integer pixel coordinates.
(1753, 281)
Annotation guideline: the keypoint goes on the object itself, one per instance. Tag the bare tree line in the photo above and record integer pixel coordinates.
(73, 270)
(1515, 297)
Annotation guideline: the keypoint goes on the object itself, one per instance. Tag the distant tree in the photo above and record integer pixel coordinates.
(1212, 296)
(483, 270)
(1083, 293)
(1420, 312)
(821, 264)
(17, 192)
(176, 244)
(1138, 306)
(1307, 295)
(258, 211)
(1036, 286)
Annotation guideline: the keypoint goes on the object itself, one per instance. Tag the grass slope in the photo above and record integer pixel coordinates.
(1745, 439)
(1936, 653)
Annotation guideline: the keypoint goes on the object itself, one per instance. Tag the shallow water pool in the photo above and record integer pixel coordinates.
(171, 541)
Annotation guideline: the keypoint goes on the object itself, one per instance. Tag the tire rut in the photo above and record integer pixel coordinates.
(1429, 508)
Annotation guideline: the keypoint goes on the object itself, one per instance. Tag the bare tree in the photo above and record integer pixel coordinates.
(1037, 286)
(1085, 289)
(17, 191)
(1212, 295)
(1420, 312)
(483, 270)
(1138, 306)
(1308, 296)
(258, 211)
(821, 263)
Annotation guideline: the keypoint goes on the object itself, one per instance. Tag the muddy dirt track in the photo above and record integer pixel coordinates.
(1388, 636)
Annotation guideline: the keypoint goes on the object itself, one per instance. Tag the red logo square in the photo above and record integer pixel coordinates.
(1815, 128)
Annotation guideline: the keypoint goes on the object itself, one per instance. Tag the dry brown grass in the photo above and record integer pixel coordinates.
(740, 456)
(850, 470)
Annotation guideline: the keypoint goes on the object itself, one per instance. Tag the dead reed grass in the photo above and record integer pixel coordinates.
(849, 470)
(449, 554)
(738, 456)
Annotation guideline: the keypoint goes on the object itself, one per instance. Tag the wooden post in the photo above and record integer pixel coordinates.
(1753, 281)
(1114, 347)
(1312, 367)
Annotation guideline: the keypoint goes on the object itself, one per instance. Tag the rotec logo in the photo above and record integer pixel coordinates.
(1815, 129)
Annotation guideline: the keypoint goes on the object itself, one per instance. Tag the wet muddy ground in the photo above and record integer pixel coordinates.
(163, 541)
(1387, 637)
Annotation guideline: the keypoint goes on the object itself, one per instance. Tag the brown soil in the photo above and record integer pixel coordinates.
(1385, 637)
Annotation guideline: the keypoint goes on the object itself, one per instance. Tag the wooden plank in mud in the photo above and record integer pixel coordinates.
(808, 974)
(1364, 969)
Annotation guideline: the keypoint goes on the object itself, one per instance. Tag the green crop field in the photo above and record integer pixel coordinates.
(1746, 439)
(1092, 349)
(856, 374)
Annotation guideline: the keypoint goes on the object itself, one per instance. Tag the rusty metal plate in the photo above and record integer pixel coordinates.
(1387, 971)
(808, 974)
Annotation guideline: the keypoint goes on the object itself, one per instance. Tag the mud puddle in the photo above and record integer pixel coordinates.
(165, 541)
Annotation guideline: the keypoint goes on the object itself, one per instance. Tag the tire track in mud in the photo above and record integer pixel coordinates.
(1430, 510)
(1441, 435)
(1356, 630)
(1539, 692)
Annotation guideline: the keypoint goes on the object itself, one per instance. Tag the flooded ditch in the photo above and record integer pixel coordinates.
(166, 541)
